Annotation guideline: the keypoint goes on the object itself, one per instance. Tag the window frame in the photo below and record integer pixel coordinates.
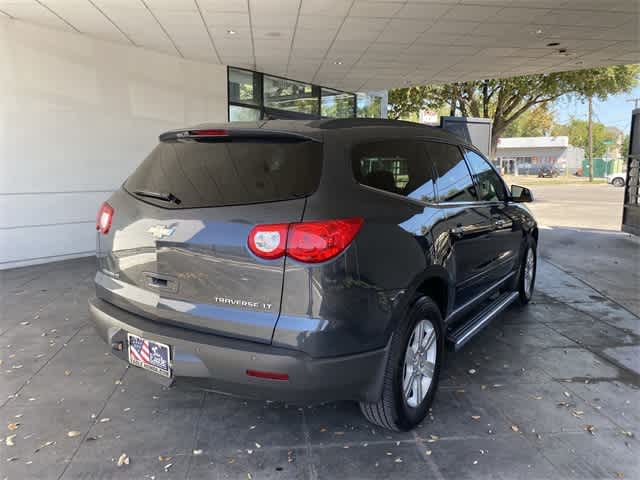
(268, 111)
(474, 176)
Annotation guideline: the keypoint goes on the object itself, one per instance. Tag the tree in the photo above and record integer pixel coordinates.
(506, 100)
(578, 132)
(537, 122)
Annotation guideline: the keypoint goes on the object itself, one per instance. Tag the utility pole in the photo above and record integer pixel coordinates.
(590, 139)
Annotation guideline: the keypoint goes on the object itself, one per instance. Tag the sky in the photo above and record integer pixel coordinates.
(614, 112)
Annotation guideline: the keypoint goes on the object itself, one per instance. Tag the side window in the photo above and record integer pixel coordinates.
(488, 184)
(454, 181)
(398, 166)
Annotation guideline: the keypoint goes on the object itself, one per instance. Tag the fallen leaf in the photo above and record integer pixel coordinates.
(338, 433)
(475, 462)
(67, 372)
(104, 420)
(13, 426)
(627, 433)
(567, 394)
(398, 460)
(472, 371)
(591, 429)
(123, 460)
(249, 476)
(197, 451)
(258, 445)
(428, 452)
(12, 459)
(475, 417)
(25, 322)
(91, 439)
(73, 433)
(168, 466)
(619, 474)
(515, 428)
(164, 458)
(44, 445)
(9, 440)
(249, 451)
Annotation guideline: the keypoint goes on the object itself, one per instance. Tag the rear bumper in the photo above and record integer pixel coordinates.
(221, 363)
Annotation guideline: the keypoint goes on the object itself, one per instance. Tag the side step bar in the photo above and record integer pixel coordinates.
(458, 337)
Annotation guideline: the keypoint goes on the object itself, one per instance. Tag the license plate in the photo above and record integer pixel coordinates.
(150, 355)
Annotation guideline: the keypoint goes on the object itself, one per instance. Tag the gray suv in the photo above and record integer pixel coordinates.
(310, 261)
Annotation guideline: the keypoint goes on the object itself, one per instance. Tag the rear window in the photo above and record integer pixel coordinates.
(235, 172)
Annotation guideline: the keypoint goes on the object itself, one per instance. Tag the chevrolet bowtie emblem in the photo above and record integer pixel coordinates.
(160, 231)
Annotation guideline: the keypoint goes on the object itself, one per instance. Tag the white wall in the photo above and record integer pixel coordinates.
(77, 115)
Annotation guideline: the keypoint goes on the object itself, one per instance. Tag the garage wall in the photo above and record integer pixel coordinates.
(76, 117)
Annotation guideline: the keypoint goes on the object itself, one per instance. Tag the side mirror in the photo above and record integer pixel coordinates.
(521, 194)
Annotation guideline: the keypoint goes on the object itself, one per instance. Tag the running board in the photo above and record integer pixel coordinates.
(458, 337)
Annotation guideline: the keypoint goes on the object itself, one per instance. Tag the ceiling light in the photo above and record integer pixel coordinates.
(231, 32)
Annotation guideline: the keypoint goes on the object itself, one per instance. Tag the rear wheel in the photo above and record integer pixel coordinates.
(528, 268)
(413, 368)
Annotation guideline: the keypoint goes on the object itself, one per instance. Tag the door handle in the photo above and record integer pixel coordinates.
(499, 223)
(457, 232)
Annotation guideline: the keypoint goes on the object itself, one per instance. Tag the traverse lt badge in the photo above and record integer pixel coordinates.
(160, 231)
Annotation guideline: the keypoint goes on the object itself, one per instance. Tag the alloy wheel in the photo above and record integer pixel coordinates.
(419, 363)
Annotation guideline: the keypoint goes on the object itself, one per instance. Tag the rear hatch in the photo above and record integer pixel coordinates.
(176, 250)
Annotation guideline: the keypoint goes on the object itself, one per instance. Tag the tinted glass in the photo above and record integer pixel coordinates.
(244, 86)
(454, 182)
(286, 94)
(212, 174)
(243, 114)
(395, 166)
(337, 104)
(488, 185)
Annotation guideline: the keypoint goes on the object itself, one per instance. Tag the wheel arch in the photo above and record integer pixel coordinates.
(436, 284)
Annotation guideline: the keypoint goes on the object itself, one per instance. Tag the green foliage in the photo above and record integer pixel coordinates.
(578, 132)
(537, 122)
(506, 100)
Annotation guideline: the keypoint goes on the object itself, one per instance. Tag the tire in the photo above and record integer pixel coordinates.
(525, 285)
(617, 182)
(393, 410)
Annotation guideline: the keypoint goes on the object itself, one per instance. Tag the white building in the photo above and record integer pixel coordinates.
(526, 155)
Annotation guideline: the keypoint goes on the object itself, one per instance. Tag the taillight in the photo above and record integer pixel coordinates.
(209, 133)
(104, 218)
(268, 241)
(309, 242)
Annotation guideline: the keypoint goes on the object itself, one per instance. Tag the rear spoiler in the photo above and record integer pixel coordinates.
(219, 134)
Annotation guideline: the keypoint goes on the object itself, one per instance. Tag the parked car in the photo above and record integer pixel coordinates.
(617, 179)
(547, 172)
(310, 261)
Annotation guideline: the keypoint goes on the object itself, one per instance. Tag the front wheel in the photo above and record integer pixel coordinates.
(528, 269)
(412, 371)
(618, 182)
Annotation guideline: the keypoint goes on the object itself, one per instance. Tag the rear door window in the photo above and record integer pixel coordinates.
(488, 184)
(232, 172)
(397, 166)
(454, 183)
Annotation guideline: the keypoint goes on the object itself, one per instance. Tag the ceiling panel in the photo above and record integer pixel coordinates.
(369, 43)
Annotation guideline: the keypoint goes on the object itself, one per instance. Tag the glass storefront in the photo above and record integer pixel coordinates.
(254, 96)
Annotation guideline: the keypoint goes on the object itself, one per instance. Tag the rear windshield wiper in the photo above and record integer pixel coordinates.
(166, 197)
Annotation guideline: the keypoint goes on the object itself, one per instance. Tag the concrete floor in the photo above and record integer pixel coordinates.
(547, 391)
